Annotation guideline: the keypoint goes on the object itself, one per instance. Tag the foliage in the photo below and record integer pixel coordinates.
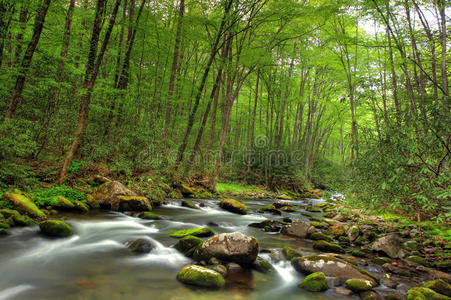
(44, 197)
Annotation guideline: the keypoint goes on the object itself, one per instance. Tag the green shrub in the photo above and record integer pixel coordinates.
(45, 197)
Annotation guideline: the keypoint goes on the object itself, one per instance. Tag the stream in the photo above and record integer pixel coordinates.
(95, 263)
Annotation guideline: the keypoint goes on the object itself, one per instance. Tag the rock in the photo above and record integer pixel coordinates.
(62, 202)
(394, 297)
(199, 232)
(92, 202)
(23, 204)
(353, 233)
(81, 207)
(186, 190)
(389, 283)
(315, 282)
(317, 236)
(290, 253)
(3, 231)
(55, 228)
(298, 229)
(4, 225)
(313, 209)
(270, 208)
(234, 206)
(269, 225)
(188, 245)
(189, 204)
(370, 295)
(23, 221)
(390, 245)
(343, 292)
(140, 246)
(328, 247)
(424, 293)
(411, 245)
(147, 215)
(380, 260)
(284, 197)
(200, 276)
(336, 230)
(331, 266)
(359, 285)
(262, 265)
(416, 259)
(287, 208)
(115, 196)
(440, 286)
(232, 247)
(221, 269)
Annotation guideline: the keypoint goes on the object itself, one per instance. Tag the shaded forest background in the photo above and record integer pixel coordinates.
(344, 95)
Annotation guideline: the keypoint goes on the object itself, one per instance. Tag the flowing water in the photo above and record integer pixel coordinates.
(95, 263)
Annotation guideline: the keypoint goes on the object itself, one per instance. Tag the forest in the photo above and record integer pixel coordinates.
(300, 126)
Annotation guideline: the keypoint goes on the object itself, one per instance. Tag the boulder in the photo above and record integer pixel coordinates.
(440, 286)
(424, 293)
(115, 196)
(359, 285)
(261, 265)
(92, 202)
(140, 246)
(81, 207)
(200, 276)
(391, 245)
(315, 282)
(186, 190)
(189, 204)
(199, 232)
(331, 266)
(298, 228)
(55, 228)
(290, 253)
(269, 225)
(233, 206)
(188, 245)
(317, 236)
(271, 209)
(147, 215)
(23, 204)
(326, 246)
(62, 202)
(232, 247)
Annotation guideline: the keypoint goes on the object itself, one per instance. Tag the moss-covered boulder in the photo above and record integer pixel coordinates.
(81, 207)
(199, 232)
(92, 202)
(188, 245)
(23, 204)
(381, 260)
(271, 209)
(200, 276)
(263, 266)
(290, 253)
(115, 196)
(269, 225)
(7, 213)
(234, 206)
(416, 259)
(424, 293)
(231, 247)
(284, 197)
(186, 190)
(326, 246)
(440, 286)
(358, 253)
(189, 204)
(55, 228)
(14, 218)
(140, 246)
(62, 202)
(359, 285)
(315, 282)
(23, 221)
(147, 215)
(318, 236)
(313, 209)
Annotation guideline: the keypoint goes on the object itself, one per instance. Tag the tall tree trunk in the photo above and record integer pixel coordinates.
(16, 95)
(446, 100)
(92, 70)
(252, 125)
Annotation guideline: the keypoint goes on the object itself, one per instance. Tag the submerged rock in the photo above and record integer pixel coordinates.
(199, 232)
(55, 228)
(147, 215)
(298, 228)
(315, 282)
(140, 246)
(269, 225)
(188, 245)
(359, 285)
(326, 246)
(200, 276)
(115, 196)
(189, 204)
(23, 204)
(390, 245)
(232, 247)
(234, 206)
(271, 209)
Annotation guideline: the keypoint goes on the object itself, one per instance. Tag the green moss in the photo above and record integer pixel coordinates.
(381, 260)
(290, 253)
(92, 202)
(4, 225)
(55, 228)
(440, 286)
(262, 265)
(416, 259)
(189, 204)
(232, 187)
(327, 247)
(423, 293)
(24, 204)
(188, 245)
(270, 208)
(3, 231)
(358, 253)
(317, 236)
(199, 232)
(61, 202)
(318, 224)
(234, 206)
(359, 285)
(24, 221)
(313, 209)
(147, 215)
(6, 212)
(45, 197)
(315, 282)
(443, 264)
(200, 276)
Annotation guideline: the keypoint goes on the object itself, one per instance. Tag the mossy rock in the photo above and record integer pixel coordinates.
(140, 246)
(7, 213)
(133, 203)
(410, 245)
(315, 282)
(319, 224)
(381, 260)
(199, 232)
(271, 209)
(370, 295)
(24, 221)
(284, 197)
(55, 228)
(200, 276)
(262, 265)
(314, 209)
(189, 204)
(358, 253)
(3, 231)
(92, 202)
(188, 245)
(62, 202)
(81, 207)
(394, 297)
(186, 190)
(440, 286)
(233, 206)
(328, 247)
(443, 264)
(290, 253)
(359, 285)
(147, 215)
(287, 208)
(318, 236)
(336, 230)
(23, 204)
(4, 225)
(416, 259)
(424, 293)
